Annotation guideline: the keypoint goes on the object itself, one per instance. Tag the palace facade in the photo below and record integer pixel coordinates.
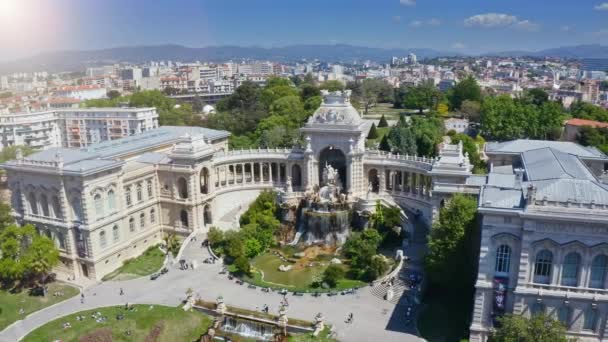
(544, 237)
(108, 202)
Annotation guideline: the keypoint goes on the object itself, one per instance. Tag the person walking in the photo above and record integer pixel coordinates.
(122, 292)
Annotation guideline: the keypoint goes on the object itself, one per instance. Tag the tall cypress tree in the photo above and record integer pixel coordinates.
(373, 132)
(383, 122)
(384, 144)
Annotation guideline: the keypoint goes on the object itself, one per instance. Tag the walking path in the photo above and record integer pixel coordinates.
(374, 319)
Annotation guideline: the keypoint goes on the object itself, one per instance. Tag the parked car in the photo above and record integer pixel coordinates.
(154, 276)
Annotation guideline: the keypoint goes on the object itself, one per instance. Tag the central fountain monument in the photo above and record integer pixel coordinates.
(325, 213)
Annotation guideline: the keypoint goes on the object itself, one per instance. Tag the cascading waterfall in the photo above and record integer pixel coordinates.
(245, 328)
(327, 227)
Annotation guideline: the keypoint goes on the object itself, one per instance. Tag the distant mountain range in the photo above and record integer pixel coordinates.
(79, 60)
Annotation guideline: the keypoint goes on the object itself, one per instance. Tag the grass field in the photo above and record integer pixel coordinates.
(387, 109)
(297, 279)
(147, 263)
(11, 303)
(144, 322)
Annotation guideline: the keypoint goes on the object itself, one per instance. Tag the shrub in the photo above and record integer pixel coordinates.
(242, 265)
(373, 132)
(383, 122)
(332, 275)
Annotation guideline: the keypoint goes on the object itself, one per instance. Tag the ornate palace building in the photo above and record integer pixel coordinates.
(544, 237)
(108, 202)
(544, 244)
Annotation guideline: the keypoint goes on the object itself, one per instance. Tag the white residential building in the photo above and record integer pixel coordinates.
(74, 127)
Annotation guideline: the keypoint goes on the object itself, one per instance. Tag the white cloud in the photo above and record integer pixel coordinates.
(408, 2)
(434, 22)
(602, 7)
(527, 25)
(421, 23)
(458, 45)
(493, 20)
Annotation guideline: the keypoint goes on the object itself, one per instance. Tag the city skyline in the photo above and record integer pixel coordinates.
(34, 26)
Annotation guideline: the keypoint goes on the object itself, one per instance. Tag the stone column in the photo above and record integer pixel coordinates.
(382, 176)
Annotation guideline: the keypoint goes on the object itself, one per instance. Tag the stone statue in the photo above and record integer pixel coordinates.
(329, 175)
(370, 188)
(288, 187)
(319, 324)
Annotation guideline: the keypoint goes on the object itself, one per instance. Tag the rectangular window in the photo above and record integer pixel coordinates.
(128, 196)
(149, 189)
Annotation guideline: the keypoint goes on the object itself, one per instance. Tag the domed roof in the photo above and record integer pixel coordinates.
(335, 110)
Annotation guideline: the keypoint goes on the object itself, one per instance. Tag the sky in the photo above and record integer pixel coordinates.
(28, 27)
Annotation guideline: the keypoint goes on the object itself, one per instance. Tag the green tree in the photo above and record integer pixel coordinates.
(538, 328)
(471, 110)
(384, 144)
(332, 85)
(589, 111)
(113, 94)
(26, 256)
(402, 140)
(471, 146)
(377, 267)
(536, 96)
(383, 122)
(332, 275)
(361, 249)
(467, 89)
(6, 219)
(10, 152)
(308, 91)
(423, 96)
(242, 265)
(215, 236)
(373, 132)
(449, 243)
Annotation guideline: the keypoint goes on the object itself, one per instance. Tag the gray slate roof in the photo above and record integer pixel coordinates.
(107, 153)
(523, 145)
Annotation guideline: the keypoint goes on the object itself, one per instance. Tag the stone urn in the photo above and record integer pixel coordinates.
(319, 324)
(220, 306)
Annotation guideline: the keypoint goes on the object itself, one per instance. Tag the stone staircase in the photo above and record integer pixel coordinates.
(399, 288)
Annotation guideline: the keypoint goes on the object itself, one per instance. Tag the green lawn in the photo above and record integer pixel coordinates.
(387, 109)
(146, 323)
(147, 263)
(322, 337)
(296, 279)
(11, 303)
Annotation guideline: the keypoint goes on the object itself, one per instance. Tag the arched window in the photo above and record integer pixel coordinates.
(590, 319)
(542, 267)
(98, 206)
(31, 198)
(205, 180)
(111, 201)
(131, 225)
(115, 233)
(152, 216)
(183, 216)
(128, 195)
(503, 259)
(57, 207)
(140, 195)
(44, 203)
(570, 269)
(60, 240)
(563, 315)
(598, 271)
(102, 239)
(142, 220)
(76, 208)
(182, 187)
(150, 190)
(537, 308)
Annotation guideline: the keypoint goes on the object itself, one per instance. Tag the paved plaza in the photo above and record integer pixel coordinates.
(374, 319)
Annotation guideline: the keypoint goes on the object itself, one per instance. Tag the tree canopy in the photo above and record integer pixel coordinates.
(421, 97)
(26, 256)
(466, 90)
(538, 328)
